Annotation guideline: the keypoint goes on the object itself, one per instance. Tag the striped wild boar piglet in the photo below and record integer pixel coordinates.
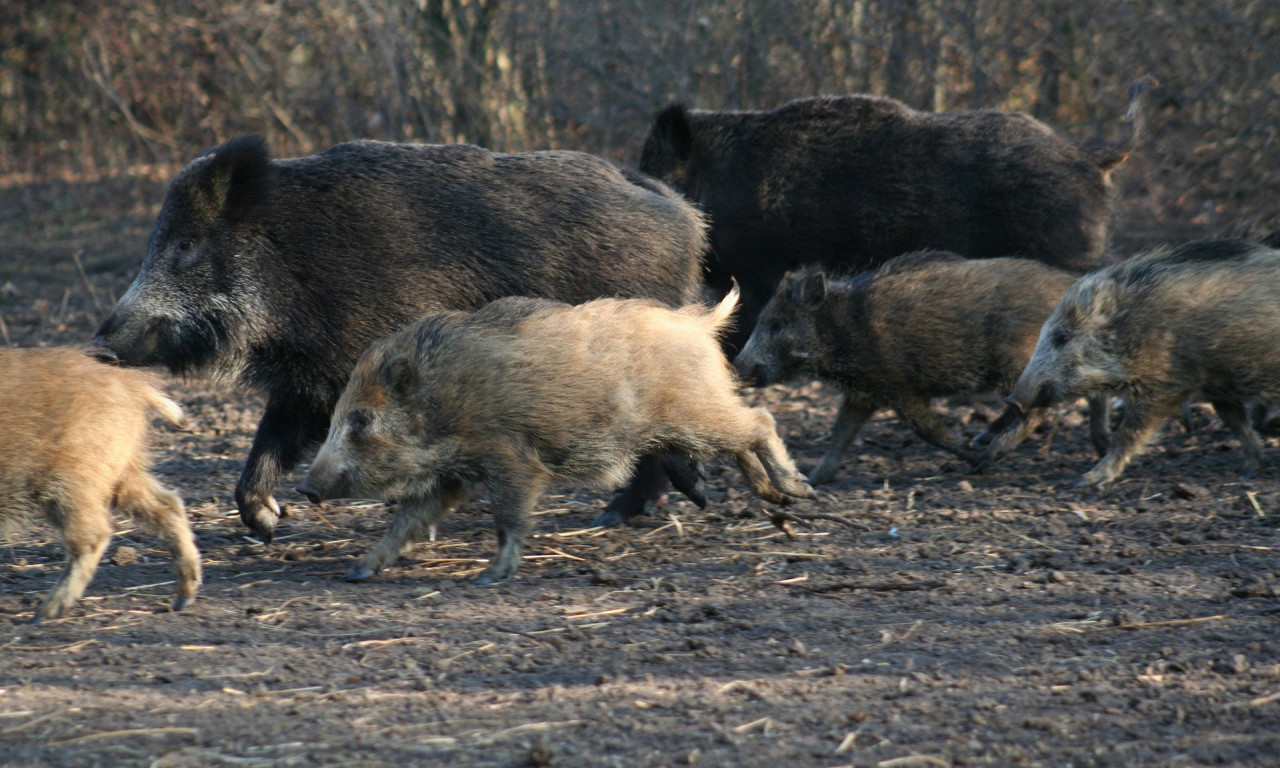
(75, 447)
(529, 391)
(1203, 317)
(924, 325)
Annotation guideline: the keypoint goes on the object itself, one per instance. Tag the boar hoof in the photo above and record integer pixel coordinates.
(1085, 481)
(490, 576)
(34, 620)
(183, 602)
(616, 514)
(261, 518)
(359, 573)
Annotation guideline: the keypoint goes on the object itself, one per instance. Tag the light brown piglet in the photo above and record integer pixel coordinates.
(75, 448)
(527, 391)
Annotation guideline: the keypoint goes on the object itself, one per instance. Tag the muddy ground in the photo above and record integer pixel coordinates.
(935, 618)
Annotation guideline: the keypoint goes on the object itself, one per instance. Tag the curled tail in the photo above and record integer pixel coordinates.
(1135, 124)
(167, 408)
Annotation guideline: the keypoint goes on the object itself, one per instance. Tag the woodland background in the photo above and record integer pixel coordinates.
(129, 91)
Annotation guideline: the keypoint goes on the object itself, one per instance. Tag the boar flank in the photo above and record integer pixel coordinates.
(278, 273)
(1201, 318)
(923, 325)
(527, 391)
(75, 447)
(849, 182)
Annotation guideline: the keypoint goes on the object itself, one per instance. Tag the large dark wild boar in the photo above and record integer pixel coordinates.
(75, 447)
(923, 325)
(280, 272)
(1157, 328)
(849, 182)
(527, 391)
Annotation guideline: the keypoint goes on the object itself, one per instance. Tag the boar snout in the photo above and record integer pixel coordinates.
(750, 370)
(125, 338)
(310, 492)
(1026, 397)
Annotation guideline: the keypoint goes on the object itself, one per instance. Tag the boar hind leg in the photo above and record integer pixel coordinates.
(648, 485)
(86, 530)
(1235, 415)
(513, 493)
(142, 497)
(769, 452)
(283, 434)
(1142, 417)
(849, 422)
(414, 519)
(926, 423)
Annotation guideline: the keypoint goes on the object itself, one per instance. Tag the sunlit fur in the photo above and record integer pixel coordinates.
(528, 391)
(75, 434)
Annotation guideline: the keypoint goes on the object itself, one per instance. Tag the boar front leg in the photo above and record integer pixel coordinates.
(1100, 423)
(513, 491)
(926, 423)
(1142, 417)
(283, 435)
(414, 519)
(850, 419)
(1237, 418)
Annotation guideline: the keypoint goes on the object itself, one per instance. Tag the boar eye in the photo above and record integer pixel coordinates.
(186, 253)
(358, 422)
(775, 327)
(1059, 338)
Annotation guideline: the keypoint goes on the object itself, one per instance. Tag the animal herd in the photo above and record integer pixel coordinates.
(441, 319)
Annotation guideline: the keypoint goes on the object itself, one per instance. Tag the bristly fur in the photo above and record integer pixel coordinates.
(849, 182)
(278, 273)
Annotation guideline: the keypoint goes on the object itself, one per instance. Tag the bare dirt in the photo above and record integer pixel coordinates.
(936, 618)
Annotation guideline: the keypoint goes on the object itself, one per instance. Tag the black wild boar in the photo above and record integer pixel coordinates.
(75, 448)
(528, 391)
(280, 272)
(1203, 317)
(849, 182)
(924, 325)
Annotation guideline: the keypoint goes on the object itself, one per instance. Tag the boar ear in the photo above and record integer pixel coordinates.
(399, 375)
(811, 290)
(241, 178)
(672, 132)
(1101, 300)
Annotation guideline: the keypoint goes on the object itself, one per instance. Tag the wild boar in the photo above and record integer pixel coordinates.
(529, 391)
(1203, 317)
(924, 325)
(75, 447)
(278, 273)
(849, 182)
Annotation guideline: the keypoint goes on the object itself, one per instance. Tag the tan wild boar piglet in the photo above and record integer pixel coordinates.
(1203, 318)
(525, 392)
(75, 447)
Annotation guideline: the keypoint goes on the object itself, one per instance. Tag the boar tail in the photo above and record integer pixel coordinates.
(722, 314)
(1135, 124)
(167, 408)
